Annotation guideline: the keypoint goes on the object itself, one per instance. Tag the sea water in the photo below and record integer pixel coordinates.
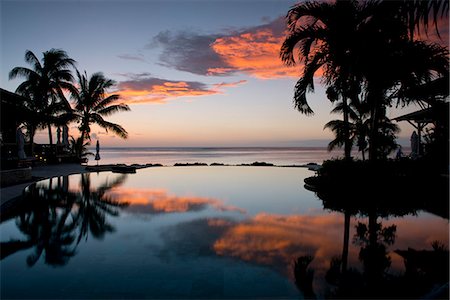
(230, 155)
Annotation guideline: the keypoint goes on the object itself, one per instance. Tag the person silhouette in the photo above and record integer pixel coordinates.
(399, 153)
(20, 140)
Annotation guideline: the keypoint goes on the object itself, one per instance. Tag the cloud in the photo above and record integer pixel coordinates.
(140, 88)
(157, 90)
(253, 51)
(229, 84)
(135, 76)
(276, 240)
(151, 201)
(189, 52)
(138, 57)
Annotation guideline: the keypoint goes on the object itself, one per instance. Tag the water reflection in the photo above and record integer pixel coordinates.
(160, 201)
(216, 245)
(54, 218)
(426, 271)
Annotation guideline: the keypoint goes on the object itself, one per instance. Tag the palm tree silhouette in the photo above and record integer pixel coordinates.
(52, 226)
(92, 103)
(325, 40)
(366, 53)
(94, 205)
(354, 131)
(47, 229)
(44, 86)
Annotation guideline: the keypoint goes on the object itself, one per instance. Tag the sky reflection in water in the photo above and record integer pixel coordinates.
(214, 232)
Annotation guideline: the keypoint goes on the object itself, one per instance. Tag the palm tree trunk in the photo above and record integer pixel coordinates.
(347, 143)
(375, 111)
(372, 227)
(32, 132)
(346, 241)
(50, 137)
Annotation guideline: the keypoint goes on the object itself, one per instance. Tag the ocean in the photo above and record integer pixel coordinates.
(209, 155)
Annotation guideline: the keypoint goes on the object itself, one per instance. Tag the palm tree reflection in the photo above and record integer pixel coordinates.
(374, 239)
(94, 205)
(56, 218)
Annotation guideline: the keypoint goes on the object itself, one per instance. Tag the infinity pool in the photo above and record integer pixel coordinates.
(194, 232)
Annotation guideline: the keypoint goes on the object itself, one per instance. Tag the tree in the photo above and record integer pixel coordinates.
(390, 63)
(367, 54)
(79, 149)
(44, 86)
(92, 103)
(325, 34)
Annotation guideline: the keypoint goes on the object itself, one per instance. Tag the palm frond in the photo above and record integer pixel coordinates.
(104, 102)
(91, 104)
(306, 84)
(300, 102)
(117, 129)
(113, 109)
(22, 72)
(31, 58)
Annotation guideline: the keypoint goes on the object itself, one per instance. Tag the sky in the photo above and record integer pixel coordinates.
(193, 72)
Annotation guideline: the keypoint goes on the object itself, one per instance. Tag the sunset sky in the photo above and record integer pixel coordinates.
(194, 73)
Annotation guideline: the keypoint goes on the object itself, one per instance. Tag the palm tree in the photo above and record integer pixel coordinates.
(367, 54)
(94, 205)
(357, 126)
(44, 86)
(392, 63)
(54, 218)
(79, 149)
(92, 103)
(325, 34)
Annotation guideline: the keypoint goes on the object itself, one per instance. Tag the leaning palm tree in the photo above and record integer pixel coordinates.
(44, 85)
(92, 104)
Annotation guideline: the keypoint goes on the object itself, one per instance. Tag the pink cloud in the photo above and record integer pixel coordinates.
(157, 201)
(141, 89)
(254, 53)
(156, 90)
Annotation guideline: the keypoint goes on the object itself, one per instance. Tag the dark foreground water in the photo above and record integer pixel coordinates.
(209, 232)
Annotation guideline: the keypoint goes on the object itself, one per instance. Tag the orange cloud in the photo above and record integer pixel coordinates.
(143, 89)
(155, 90)
(156, 201)
(255, 53)
(229, 84)
(276, 240)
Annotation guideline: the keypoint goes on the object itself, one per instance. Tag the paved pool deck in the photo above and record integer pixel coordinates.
(38, 173)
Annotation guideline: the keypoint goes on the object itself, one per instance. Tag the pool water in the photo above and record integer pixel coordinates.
(191, 232)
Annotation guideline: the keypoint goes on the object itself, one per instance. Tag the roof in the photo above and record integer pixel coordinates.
(426, 115)
(420, 116)
(12, 113)
(12, 106)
